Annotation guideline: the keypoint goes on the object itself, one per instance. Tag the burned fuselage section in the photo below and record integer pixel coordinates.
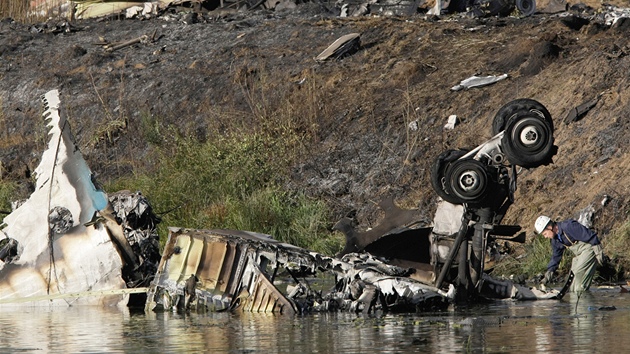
(69, 243)
(217, 270)
(223, 269)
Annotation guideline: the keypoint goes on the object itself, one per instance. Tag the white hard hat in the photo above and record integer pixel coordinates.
(541, 223)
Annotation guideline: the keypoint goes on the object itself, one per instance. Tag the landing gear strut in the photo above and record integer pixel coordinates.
(483, 180)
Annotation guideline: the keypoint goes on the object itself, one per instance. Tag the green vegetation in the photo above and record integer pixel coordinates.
(616, 246)
(7, 188)
(531, 260)
(7, 195)
(232, 181)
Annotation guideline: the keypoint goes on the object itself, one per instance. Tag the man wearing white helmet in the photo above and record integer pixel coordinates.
(582, 241)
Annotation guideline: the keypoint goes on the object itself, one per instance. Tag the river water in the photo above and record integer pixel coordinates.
(599, 321)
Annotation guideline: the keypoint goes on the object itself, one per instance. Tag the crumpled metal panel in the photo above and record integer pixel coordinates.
(505, 289)
(132, 213)
(263, 296)
(234, 270)
(367, 284)
(220, 270)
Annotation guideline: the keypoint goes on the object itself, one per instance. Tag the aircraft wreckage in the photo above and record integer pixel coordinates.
(193, 11)
(70, 243)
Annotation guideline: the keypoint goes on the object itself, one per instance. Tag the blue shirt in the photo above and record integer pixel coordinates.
(569, 232)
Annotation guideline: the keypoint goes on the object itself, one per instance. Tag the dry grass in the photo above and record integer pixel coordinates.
(26, 11)
(616, 247)
(116, 123)
(16, 9)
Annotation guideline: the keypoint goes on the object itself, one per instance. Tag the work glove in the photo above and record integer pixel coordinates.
(599, 254)
(548, 276)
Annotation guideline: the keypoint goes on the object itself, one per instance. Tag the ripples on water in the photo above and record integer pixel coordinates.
(588, 326)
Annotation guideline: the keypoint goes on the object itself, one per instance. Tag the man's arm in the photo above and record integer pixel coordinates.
(556, 255)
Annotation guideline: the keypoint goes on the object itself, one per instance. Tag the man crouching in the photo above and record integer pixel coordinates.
(582, 241)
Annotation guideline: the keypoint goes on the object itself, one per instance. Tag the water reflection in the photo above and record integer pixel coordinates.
(576, 325)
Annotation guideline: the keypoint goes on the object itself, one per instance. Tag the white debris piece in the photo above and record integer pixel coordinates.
(448, 218)
(586, 216)
(344, 11)
(612, 14)
(146, 10)
(437, 9)
(413, 126)
(478, 81)
(452, 121)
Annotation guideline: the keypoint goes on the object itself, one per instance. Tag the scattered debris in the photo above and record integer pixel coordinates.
(604, 308)
(485, 8)
(210, 10)
(8, 250)
(146, 10)
(585, 216)
(488, 8)
(110, 47)
(85, 9)
(506, 289)
(578, 112)
(246, 271)
(452, 121)
(413, 126)
(427, 250)
(113, 47)
(436, 10)
(478, 81)
(342, 47)
(612, 14)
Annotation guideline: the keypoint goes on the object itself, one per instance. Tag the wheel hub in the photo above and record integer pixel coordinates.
(469, 180)
(529, 135)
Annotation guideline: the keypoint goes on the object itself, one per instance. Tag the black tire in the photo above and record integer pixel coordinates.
(467, 180)
(526, 7)
(511, 108)
(528, 141)
(438, 170)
